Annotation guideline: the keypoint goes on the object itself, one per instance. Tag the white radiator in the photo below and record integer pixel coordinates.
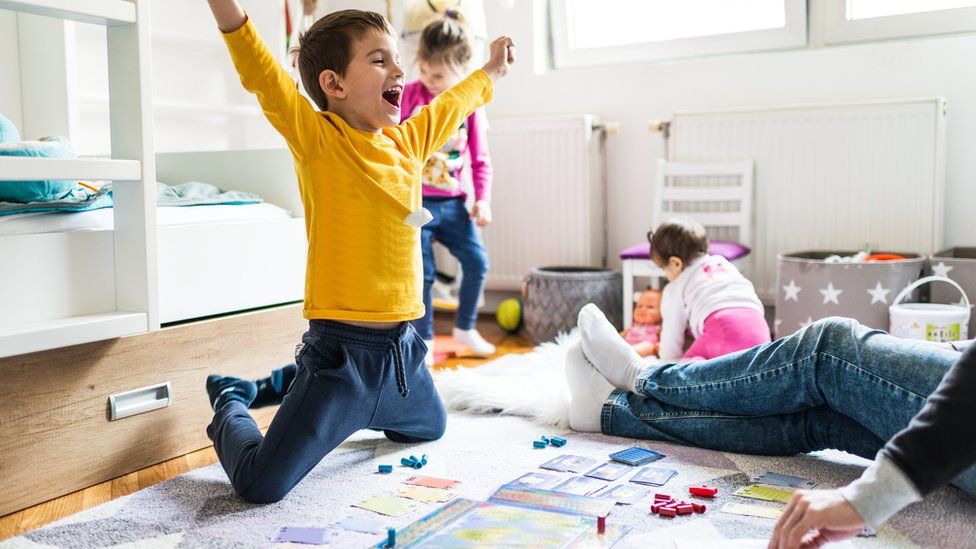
(831, 177)
(548, 201)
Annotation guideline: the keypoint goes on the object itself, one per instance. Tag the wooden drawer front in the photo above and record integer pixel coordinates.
(55, 433)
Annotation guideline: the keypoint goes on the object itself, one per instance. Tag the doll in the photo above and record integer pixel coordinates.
(643, 334)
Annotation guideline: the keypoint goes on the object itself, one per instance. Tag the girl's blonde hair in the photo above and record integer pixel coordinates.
(445, 41)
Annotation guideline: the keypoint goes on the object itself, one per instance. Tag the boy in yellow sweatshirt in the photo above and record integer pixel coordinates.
(360, 364)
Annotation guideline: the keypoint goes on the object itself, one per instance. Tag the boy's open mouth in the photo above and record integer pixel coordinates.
(392, 95)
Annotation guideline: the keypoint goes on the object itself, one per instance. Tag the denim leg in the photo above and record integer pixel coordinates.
(425, 324)
(327, 402)
(419, 415)
(877, 380)
(818, 428)
(458, 233)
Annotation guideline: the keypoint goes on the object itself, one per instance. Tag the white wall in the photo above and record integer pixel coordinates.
(940, 66)
(9, 68)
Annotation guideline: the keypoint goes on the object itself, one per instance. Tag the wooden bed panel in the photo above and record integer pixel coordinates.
(56, 436)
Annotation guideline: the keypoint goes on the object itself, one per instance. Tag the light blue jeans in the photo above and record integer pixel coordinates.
(452, 227)
(833, 384)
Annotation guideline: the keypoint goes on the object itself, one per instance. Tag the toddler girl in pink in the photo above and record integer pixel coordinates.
(705, 294)
(443, 54)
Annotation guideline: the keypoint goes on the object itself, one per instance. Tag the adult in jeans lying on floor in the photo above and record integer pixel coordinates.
(833, 384)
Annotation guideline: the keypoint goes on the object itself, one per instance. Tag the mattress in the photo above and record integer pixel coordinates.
(102, 220)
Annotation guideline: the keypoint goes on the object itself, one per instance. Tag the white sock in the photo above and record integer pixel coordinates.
(607, 351)
(429, 357)
(473, 340)
(589, 391)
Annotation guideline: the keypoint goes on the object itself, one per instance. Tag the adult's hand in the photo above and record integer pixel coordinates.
(814, 518)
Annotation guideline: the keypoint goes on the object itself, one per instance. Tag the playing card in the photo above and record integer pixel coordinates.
(777, 479)
(624, 494)
(636, 456)
(386, 505)
(764, 493)
(752, 510)
(575, 464)
(432, 482)
(297, 534)
(581, 486)
(653, 476)
(537, 481)
(609, 471)
(424, 494)
(364, 525)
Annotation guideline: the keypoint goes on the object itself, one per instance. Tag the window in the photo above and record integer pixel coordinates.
(865, 20)
(595, 32)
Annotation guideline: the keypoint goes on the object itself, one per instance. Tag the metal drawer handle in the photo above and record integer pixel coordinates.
(141, 400)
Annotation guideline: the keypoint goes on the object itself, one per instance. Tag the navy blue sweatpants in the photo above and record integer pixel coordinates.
(348, 379)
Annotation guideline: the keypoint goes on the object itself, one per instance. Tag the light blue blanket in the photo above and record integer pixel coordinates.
(83, 199)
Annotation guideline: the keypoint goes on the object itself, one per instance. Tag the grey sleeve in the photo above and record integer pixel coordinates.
(882, 491)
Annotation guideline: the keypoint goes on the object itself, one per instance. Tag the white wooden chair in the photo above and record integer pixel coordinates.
(696, 202)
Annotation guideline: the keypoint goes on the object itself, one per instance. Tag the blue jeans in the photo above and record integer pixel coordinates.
(452, 227)
(833, 384)
(348, 379)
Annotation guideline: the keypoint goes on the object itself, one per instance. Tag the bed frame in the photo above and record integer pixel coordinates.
(85, 400)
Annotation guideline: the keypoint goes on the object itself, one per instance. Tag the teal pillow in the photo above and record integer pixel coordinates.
(36, 191)
(8, 132)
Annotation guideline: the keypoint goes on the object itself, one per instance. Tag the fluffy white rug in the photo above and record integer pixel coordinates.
(531, 385)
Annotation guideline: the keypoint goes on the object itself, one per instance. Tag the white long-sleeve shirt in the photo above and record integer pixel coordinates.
(708, 284)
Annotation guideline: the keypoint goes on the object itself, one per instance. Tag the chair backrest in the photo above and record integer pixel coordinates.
(709, 190)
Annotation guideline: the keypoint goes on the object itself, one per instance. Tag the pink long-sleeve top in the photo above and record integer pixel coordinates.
(442, 173)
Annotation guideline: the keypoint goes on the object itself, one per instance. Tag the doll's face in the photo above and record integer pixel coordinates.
(648, 308)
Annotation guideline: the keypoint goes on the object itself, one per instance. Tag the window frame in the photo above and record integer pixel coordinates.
(792, 36)
(838, 29)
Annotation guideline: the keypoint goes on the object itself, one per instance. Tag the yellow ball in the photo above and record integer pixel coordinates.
(509, 315)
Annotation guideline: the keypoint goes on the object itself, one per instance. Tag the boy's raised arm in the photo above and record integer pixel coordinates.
(228, 13)
(428, 130)
(261, 74)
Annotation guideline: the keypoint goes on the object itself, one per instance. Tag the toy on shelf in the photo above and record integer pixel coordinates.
(644, 333)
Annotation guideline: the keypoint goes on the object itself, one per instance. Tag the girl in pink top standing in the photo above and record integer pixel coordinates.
(443, 54)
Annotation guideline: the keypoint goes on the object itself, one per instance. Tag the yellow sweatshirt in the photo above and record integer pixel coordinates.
(364, 262)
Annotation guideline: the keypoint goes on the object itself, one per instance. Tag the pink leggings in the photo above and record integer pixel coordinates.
(729, 330)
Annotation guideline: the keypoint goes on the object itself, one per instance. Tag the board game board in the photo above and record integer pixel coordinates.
(514, 517)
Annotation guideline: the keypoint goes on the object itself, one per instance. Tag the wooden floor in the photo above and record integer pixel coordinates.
(32, 518)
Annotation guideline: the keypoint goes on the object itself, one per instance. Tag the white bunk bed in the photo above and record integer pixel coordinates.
(210, 260)
(71, 287)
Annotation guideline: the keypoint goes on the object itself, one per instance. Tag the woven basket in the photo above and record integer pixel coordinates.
(553, 297)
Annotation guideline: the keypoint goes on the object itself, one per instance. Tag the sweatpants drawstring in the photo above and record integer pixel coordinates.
(398, 372)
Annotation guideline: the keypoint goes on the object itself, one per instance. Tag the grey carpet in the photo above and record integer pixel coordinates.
(199, 509)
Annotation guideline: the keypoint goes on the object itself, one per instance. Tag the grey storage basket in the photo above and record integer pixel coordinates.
(553, 297)
(810, 288)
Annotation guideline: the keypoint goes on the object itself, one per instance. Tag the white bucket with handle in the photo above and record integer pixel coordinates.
(930, 321)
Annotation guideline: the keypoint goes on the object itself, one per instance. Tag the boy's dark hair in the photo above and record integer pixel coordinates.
(327, 45)
(445, 41)
(680, 237)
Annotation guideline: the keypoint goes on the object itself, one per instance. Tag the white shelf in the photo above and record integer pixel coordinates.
(41, 336)
(34, 169)
(99, 12)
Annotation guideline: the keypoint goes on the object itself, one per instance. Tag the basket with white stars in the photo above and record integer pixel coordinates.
(810, 288)
(959, 264)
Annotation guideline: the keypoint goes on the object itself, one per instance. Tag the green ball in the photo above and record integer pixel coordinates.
(509, 315)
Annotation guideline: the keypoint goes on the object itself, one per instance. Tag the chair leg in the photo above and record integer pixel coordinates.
(628, 301)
